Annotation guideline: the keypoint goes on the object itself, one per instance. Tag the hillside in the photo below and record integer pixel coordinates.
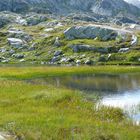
(134, 2)
(101, 7)
(68, 32)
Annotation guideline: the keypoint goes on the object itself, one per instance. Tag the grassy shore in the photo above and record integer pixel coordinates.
(35, 72)
(44, 112)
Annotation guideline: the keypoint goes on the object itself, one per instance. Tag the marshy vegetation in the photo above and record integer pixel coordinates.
(35, 111)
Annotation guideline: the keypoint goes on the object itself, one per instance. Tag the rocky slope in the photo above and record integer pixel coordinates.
(134, 2)
(114, 7)
(101, 7)
(98, 32)
(47, 39)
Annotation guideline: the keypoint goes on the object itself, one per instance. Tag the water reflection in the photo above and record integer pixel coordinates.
(129, 101)
(116, 90)
(91, 83)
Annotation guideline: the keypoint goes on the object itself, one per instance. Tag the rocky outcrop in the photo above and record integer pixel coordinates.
(83, 48)
(20, 34)
(14, 5)
(134, 2)
(26, 20)
(90, 32)
(101, 7)
(114, 7)
(15, 42)
(34, 19)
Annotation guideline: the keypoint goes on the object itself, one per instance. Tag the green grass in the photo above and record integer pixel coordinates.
(34, 72)
(44, 112)
(44, 47)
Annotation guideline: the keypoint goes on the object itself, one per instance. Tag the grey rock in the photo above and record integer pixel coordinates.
(88, 62)
(123, 50)
(7, 18)
(102, 58)
(81, 47)
(59, 52)
(102, 49)
(15, 42)
(31, 48)
(18, 56)
(64, 7)
(5, 61)
(55, 59)
(78, 62)
(11, 51)
(134, 40)
(124, 19)
(113, 7)
(117, 22)
(90, 32)
(15, 31)
(34, 19)
(57, 42)
(63, 60)
(21, 21)
(3, 50)
(20, 34)
(49, 29)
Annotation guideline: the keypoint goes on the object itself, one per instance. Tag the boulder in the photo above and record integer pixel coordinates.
(55, 59)
(17, 33)
(3, 50)
(11, 51)
(4, 61)
(49, 30)
(63, 60)
(134, 40)
(4, 21)
(15, 42)
(81, 47)
(78, 62)
(10, 17)
(21, 21)
(102, 58)
(88, 62)
(90, 32)
(57, 42)
(122, 50)
(18, 56)
(102, 49)
(34, 19)
(57, 53)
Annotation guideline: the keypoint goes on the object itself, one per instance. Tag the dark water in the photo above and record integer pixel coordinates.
(121, 91)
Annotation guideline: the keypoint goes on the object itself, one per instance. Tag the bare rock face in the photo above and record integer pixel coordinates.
(101, 7)
(90, 32)
(134, 2)
(13, 5)
(114, 7)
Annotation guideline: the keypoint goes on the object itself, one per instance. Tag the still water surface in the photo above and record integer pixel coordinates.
(121, 91)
